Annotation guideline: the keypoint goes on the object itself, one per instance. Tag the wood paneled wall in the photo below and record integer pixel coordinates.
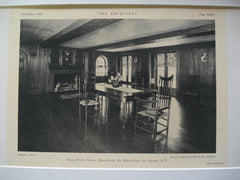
(37, 71)
(190, 66)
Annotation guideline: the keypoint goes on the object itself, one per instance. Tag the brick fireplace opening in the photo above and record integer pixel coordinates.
(65, 82)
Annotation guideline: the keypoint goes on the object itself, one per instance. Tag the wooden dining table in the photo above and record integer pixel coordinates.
(125, 93)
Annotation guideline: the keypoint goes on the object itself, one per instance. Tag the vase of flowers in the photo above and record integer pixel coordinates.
(115, 81)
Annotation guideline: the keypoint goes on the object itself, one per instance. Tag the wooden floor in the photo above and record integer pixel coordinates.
(48, 123)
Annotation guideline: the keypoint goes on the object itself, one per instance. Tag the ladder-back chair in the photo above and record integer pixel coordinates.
(152, 116)
(88, 98)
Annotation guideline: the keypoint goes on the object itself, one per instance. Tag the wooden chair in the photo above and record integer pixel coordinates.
(88, 98)
(152, 116)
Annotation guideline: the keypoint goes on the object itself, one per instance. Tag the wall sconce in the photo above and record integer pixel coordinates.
(135, 60)
(204, 57)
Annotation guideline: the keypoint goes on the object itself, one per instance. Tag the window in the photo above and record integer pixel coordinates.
(126, 68)
(101, 66)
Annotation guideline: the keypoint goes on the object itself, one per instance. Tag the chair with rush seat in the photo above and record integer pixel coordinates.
(152, 116)
(88, 98)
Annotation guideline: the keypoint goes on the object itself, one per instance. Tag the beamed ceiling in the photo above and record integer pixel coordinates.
(115, 35)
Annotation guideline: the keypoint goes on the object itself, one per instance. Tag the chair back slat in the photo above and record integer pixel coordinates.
(164, 92)
(162, 100)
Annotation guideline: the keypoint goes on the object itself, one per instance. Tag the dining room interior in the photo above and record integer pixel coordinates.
(86, 84)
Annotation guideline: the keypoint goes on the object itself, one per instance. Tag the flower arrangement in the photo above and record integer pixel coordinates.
(115, 80)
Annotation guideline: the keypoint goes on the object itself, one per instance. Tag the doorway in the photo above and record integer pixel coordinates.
(22, 73)
(126, 68)
(166, 66)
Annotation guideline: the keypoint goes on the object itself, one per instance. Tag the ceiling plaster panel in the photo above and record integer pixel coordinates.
(40, 30)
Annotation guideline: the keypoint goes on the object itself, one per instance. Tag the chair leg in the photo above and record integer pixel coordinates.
(136, 123)
(167, 127)
(80, 112)
(85, 132)
(168, 116)
(86, 112)
(155, 129)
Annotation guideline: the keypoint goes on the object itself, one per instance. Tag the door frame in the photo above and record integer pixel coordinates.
(165, 67)
(25, 55)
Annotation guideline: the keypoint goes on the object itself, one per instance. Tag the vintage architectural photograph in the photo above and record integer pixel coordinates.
(117, 86)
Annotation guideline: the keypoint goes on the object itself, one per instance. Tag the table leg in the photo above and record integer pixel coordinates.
(80, 114)
(86, 113)
(124, 103)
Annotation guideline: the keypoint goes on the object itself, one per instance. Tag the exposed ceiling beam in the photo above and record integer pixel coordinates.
(77, 29)
(190, 32)
(165, 42)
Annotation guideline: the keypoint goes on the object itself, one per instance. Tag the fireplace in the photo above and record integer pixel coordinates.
(65, 82)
